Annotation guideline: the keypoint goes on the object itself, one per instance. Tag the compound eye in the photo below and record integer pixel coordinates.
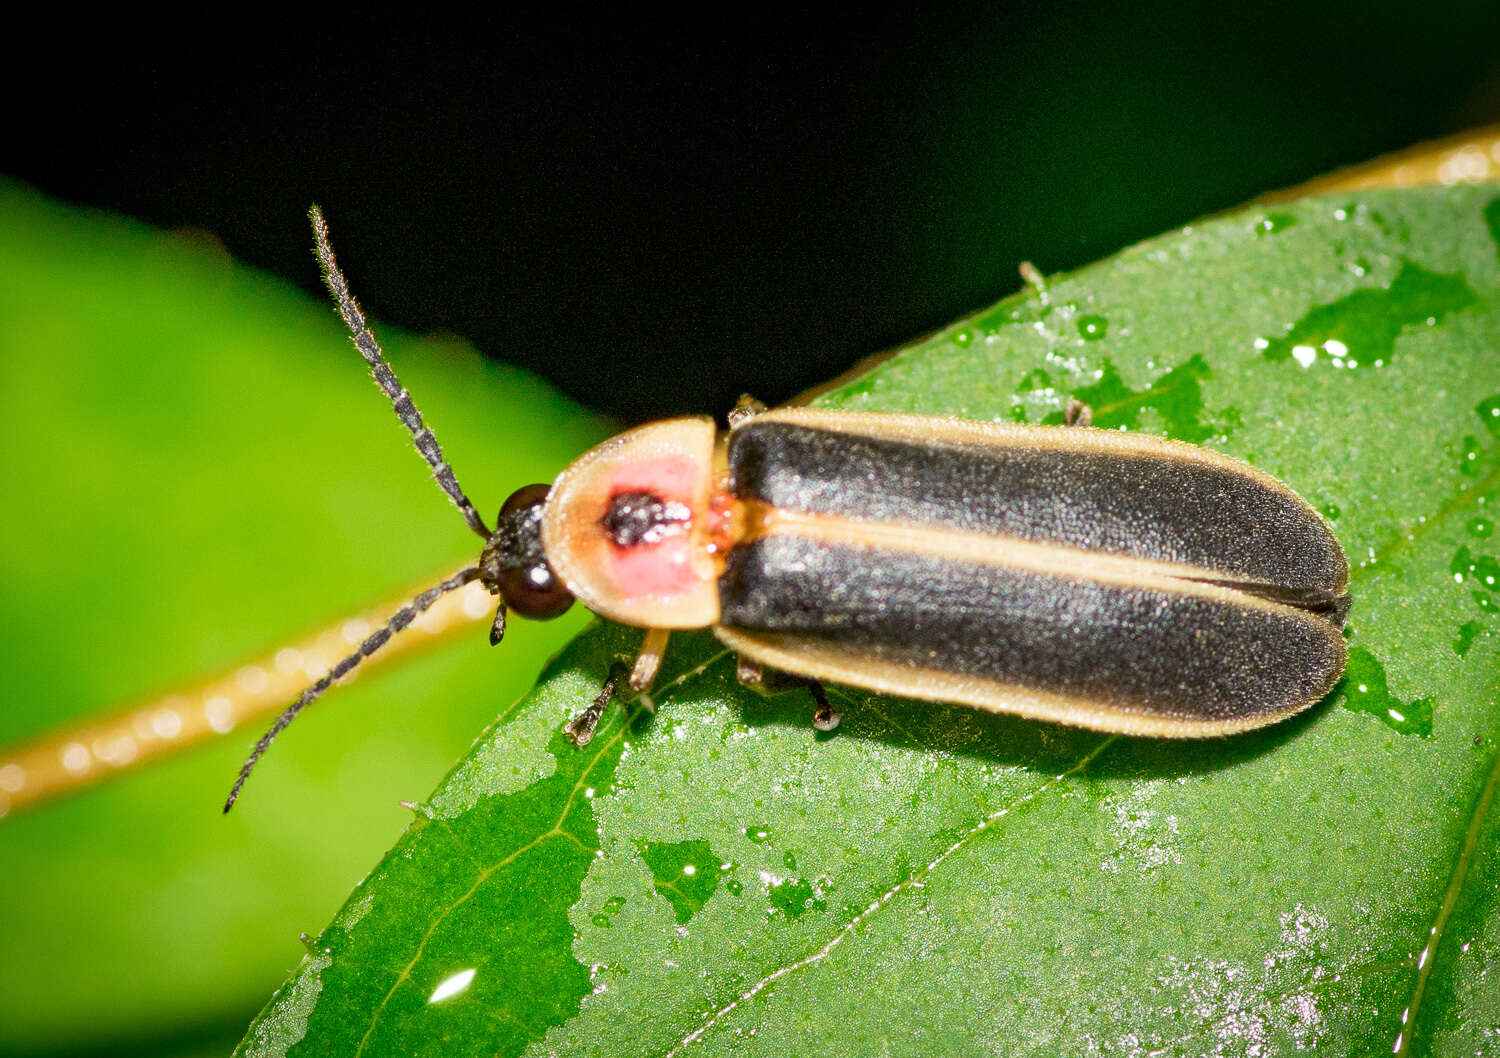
(526, 496)
(525, 579)
(535, 592)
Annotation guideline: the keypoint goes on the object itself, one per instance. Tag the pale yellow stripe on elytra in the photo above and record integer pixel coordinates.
(1012, 553)
(854, 668)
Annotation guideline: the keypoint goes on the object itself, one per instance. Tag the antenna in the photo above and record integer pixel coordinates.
(401, 400)
(399, 620)
(427, 444)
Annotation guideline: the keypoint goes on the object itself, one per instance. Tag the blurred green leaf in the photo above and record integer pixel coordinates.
(935, 880)
(196, 466)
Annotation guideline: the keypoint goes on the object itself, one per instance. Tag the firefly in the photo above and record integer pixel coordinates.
(1106, 580)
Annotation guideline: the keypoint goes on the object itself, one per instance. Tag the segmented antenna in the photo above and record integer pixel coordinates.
(369, 348)
(399, 620)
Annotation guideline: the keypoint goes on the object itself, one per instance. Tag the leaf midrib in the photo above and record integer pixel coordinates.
(1479, 814)
(1462, 501)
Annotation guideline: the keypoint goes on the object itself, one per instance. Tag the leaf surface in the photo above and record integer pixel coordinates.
(720, 878)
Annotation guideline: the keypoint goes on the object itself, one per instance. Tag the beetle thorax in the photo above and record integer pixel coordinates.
(627, 527)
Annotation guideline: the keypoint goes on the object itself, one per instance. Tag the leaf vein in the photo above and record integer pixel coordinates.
(917, 876)
(556, 831)
(1426, 960)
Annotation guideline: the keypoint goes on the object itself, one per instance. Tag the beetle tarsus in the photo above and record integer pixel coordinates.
(1077, 413)
(825, 717)
(497, 626)
(581, 728)
(749, 672)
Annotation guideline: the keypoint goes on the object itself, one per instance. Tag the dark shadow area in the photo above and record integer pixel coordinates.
(660, 215)
(971, 733)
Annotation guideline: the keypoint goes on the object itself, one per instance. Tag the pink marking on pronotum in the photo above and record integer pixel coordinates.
(670, 477)
(664, 568)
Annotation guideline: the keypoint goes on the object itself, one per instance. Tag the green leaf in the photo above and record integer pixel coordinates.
(196, 467)
(935, 880)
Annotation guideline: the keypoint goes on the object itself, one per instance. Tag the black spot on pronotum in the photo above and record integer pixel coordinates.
(642, 518)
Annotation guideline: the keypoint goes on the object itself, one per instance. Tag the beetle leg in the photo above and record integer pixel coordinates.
(825, 718)
(1077, 413)
(647, 662)
(653, 646)
(497, 626)
(581, 728)
(747, 407)
(751, 674)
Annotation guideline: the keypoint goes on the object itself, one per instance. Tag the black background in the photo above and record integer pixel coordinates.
(659, 214)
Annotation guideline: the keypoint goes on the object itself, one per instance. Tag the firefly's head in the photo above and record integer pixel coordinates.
(514, 565)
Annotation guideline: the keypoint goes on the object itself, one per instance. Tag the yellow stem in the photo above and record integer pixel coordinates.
(1468, 158)
(62, 761)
